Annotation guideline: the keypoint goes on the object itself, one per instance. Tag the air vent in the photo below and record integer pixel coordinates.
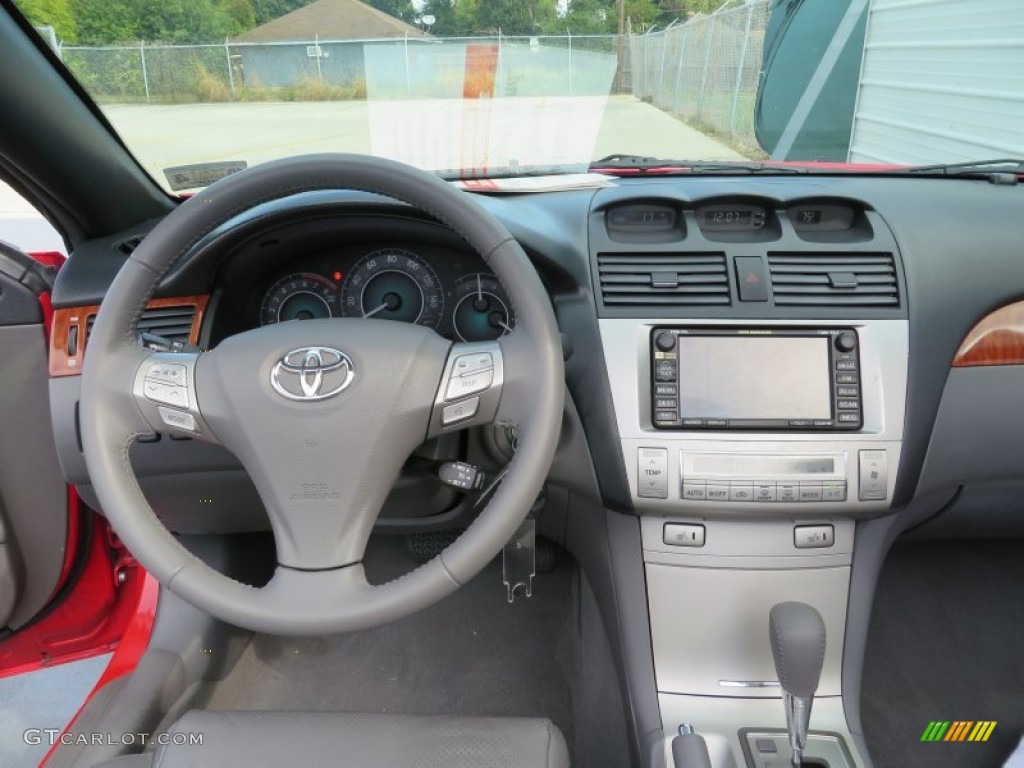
(174, 323)
(663, 279)
(834, 279)
(127, 247)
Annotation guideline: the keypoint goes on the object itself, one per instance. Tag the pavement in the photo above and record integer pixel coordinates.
(430, 133)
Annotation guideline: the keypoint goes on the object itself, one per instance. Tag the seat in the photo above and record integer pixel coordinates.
(341, 740)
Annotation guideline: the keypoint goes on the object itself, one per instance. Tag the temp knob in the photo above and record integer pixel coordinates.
(665, 341)
(846, 341)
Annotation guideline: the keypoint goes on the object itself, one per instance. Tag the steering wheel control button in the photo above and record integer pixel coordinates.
(874, 476)
(457, 412)
(813, 536)
(470, 384)
(171, 373)
(312, 373)
(168, 394)
(178, 419)
(684, 535)
(652, 473)
(466, 364)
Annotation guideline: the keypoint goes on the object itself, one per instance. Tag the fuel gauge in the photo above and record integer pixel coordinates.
(481, 308)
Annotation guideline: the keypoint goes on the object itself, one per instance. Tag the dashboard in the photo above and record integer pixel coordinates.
(906, 268)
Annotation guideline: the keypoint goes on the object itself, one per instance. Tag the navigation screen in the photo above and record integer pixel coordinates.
(754, 377)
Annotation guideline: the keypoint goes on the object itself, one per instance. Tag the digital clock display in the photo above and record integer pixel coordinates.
(723, 216)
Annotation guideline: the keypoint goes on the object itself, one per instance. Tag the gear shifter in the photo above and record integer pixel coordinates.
(797, 634)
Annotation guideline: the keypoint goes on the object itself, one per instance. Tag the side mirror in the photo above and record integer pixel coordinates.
(809, 78)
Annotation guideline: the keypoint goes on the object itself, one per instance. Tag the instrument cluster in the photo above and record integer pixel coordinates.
(452, 292)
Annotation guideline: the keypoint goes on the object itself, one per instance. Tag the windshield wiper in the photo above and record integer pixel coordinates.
(1000, 170)
(640, 164)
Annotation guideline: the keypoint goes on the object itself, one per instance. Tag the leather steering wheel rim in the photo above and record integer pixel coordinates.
(332, 596)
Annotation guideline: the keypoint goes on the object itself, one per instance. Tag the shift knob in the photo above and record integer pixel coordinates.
(798, 645)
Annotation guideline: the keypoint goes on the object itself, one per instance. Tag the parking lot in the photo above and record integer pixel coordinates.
(431, 133)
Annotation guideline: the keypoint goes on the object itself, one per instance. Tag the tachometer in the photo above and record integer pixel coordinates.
(482, 310)
(302, 296)
(393, 284)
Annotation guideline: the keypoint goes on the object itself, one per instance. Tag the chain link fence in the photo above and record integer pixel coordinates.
(347, 69)
(706, 71)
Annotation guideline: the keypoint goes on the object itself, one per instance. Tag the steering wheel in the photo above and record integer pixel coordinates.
(321, 413)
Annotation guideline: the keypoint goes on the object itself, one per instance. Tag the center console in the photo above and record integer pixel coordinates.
(759, 379)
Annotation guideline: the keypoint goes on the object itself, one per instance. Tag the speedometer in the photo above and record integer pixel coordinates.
(302, 296)
(393, 284)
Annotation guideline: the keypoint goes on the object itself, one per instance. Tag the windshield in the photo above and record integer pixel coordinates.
(200, 88)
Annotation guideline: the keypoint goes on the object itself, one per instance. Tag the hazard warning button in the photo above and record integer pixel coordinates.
(751, 278)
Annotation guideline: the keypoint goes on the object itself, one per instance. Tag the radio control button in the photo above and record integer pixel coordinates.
(813, 536)
(652, 473)
(665, 341)
(846, 365)
(695, 491)
(846, 378)
(846, 341)
(833, 491)
(717, 492)
(667, 402)
(665, 370)
(849, 418)
(810, 491)
(764, 492)
(848, 405)
(466, 364)
(665, 389)
(741, 492)
(460, 411)
(847, 392)
(683, 535)
(469, 384)
(789, 492)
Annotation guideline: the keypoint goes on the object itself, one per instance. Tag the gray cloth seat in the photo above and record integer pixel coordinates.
(341, 740)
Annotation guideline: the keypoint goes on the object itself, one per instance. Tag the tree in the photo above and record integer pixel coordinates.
(167, 21)
(516, 17)
(590, 17)
(265, 10)
(53, 13)
(241, 13)
(400, 9)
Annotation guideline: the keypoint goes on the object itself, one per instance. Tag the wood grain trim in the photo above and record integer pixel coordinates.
(998, 339)
(63, 364)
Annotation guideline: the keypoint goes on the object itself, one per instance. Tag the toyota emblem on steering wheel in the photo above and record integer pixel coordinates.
(312, 373)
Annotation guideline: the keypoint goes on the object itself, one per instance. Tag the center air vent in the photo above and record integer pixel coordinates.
(834, 279)
(663, 279)
(174, 323)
